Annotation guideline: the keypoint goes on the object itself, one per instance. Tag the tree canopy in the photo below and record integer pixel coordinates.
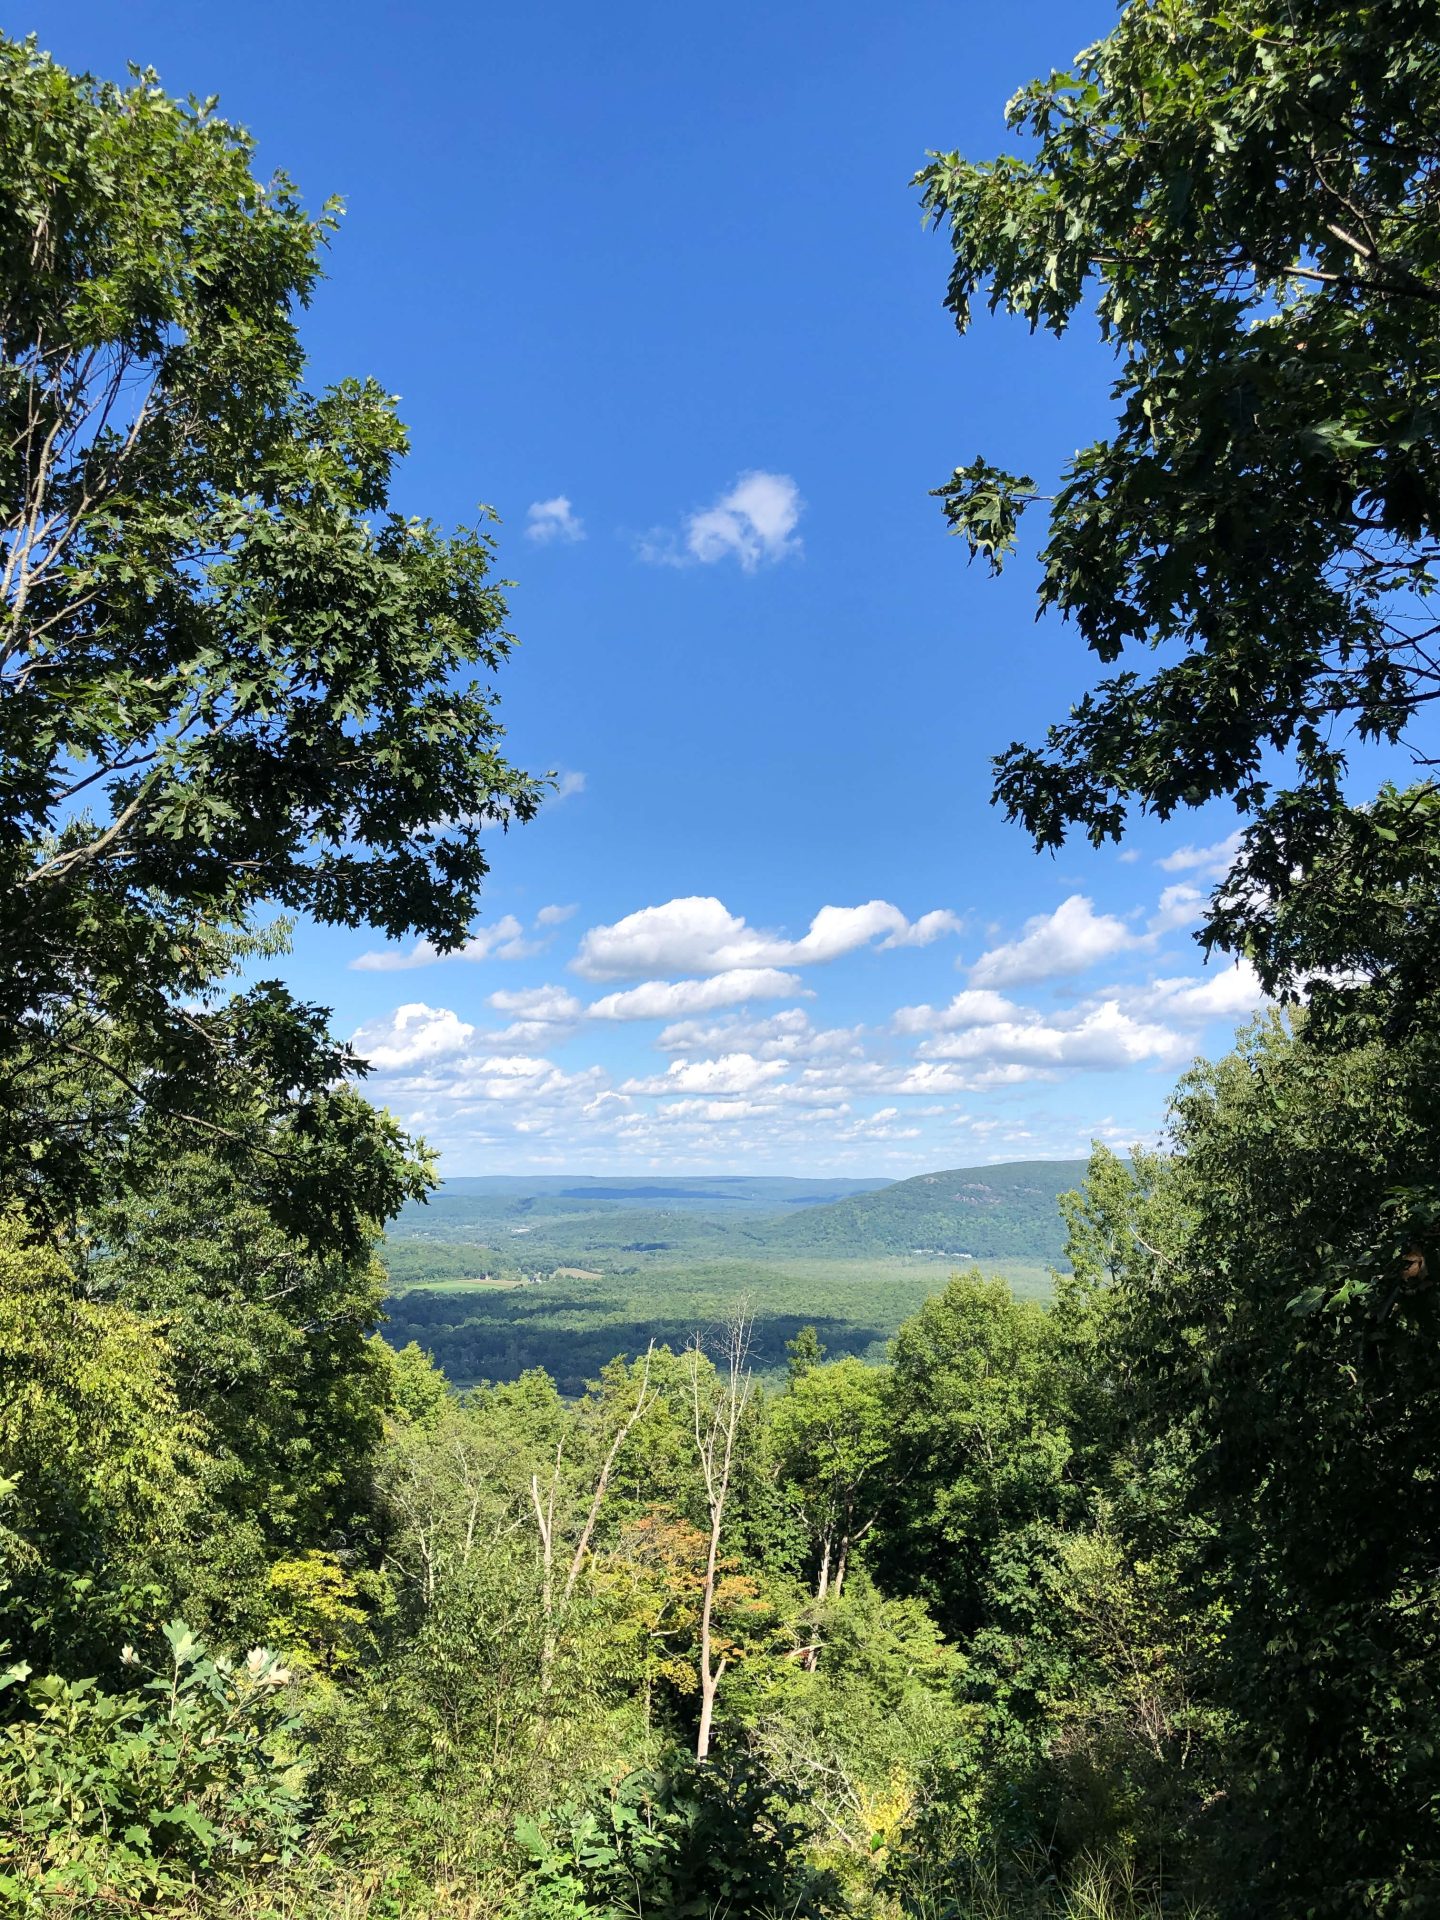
(1246, 198)
(234, 678)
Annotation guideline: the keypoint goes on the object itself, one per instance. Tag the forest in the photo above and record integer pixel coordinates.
(1119, 1606)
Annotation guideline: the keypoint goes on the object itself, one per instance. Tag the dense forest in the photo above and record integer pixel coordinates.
(1000, 1212)
(1128, 1605)
(494, 1278)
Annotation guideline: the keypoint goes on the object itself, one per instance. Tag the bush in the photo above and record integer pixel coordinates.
(697, 1840)
(137, 1796)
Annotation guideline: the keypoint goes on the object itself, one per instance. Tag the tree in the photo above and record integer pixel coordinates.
(231, 674)
(977, 1442)
(268, 1338)
(101, 1468)
(831, 1435)
(553, 1603)
(1284, 1347)
(718, 1403)
(1247, 195)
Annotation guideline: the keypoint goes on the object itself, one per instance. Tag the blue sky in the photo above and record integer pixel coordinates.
(652, 283)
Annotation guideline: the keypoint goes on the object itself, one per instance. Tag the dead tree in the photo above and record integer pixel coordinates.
(544, 1506)
(718, 1406)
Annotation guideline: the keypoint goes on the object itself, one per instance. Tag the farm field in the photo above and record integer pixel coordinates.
(572, 1326)
(497, 1276)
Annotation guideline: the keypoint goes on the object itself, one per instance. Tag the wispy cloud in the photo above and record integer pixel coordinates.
(504, 941)
(551, 520)
(673, 999)
(1208, 863)
(753, 523)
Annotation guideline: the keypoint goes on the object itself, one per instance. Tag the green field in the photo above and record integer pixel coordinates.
(485, 1276)
(571, 1327)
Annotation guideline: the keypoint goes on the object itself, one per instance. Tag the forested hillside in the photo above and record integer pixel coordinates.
(1008, 1211)
(1118, 1607)
(492, 1278)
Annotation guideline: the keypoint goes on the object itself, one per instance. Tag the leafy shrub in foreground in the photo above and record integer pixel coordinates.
(118, 1798)
(708, 1840)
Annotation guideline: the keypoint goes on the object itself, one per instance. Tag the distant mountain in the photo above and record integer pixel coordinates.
(1007, 1212)
(991, 1213)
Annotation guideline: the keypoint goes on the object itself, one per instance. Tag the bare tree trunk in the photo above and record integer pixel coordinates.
(545, 1522)
(717, 1427)
(822, 1587)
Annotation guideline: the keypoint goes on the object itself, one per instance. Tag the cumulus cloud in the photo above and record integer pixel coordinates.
(567, 785)
(1069, 940)
(670, 999)
(1232, 992)
(412, 1036)
(788, 1034)
(551, 1004)
(969, 1009)
(1208, 862)
(504, 941)
(733, 1073)
(1179, 907)
(1101, 1037)
(754, 523)
(731, 1110)
(548, 520)
(554, 916)
(698, 934)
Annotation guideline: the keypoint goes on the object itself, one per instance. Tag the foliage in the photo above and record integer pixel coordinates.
(979, 1446)
(268, 1341)
(1294, 1335)
(1246, 196)
(99, 1464)
(692, 1841)
(145, 1795)
(830, 1433)
(233, 675)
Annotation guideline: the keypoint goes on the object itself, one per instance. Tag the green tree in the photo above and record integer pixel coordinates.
(978, 1444)
(232, 674)
(1246, 196)
(101, 1468)
(1288, 1335)
(830, 1434)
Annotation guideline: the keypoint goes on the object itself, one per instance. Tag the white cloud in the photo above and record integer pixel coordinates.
(1179, 907)
(568, 784)
(730, 1110)
(1101, 1037)
(547, 520)
(969, 1009)
(537, 1003)
(928, 927)
(554, 916)
(788, 1035)
(1069, 940)
(733, 1073)
(1232, 992)
(698, 934)
(1209, 862)
(753, 523)
(670, 999)
(504, 941)
(412, 1036)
